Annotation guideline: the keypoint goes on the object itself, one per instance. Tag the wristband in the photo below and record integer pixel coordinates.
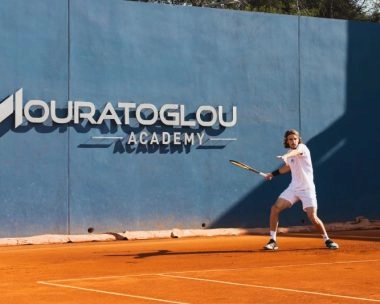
(276, 172)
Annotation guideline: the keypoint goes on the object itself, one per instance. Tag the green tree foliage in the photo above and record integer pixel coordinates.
(375, 15)
(364, 10)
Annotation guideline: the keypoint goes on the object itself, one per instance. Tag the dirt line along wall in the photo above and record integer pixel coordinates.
(83, 144)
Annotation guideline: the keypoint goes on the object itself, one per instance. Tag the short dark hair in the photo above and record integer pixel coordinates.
(291, 132)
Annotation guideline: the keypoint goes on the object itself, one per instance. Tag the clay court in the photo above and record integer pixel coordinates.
(232, 269)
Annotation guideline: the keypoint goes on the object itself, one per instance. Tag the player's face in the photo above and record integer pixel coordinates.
(293, 141)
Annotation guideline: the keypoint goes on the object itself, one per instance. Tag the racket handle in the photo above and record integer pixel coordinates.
(263, 174)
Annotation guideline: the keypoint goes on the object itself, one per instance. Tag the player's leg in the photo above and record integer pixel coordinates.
(315, 220)
(320, 227)
(275, 211)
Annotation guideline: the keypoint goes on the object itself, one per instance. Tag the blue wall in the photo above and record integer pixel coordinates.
(317, 75)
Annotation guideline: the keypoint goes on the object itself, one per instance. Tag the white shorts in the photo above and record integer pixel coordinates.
(308, 197)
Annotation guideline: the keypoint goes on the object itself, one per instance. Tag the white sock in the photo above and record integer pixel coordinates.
(325, 237)
(273, 235)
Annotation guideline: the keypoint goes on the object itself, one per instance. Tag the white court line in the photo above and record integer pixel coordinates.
(102, 278)
(271, 287)
(276, 266)
(208, 270)
(176, 275)
(111, 293)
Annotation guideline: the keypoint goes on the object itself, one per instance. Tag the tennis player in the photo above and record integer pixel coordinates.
(302, 188)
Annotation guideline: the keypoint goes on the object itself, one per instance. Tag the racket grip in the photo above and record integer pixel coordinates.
(263, 174)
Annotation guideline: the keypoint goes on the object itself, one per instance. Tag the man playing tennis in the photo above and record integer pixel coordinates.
(302, 188)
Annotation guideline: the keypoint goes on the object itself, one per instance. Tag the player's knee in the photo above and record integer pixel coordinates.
(276, 208)
(280, 205)
(273, 209)
(314, 219)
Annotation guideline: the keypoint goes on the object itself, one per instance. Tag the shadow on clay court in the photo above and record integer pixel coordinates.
(158, 253)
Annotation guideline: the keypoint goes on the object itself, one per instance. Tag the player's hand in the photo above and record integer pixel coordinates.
(268, 176)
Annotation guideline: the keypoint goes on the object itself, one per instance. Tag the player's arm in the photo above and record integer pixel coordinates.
(282, 170)
(291, 153)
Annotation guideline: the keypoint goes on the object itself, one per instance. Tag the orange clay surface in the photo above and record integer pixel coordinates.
(232, 269)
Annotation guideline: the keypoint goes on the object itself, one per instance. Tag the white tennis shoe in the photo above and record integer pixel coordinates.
(330, 244)
(272, 245)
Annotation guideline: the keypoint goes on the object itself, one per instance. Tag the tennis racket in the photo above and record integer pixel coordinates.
(246, 167)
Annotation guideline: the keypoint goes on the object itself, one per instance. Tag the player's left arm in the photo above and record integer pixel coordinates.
(291, 153)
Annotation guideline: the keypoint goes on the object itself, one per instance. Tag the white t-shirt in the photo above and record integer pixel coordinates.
(301, 169)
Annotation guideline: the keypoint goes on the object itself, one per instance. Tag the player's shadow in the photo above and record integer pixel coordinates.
(345, 155)
(163, 252)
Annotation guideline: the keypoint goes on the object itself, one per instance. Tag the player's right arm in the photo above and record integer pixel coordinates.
(282, 170)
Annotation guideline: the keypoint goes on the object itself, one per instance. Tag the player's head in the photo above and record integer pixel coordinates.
(292, 138)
